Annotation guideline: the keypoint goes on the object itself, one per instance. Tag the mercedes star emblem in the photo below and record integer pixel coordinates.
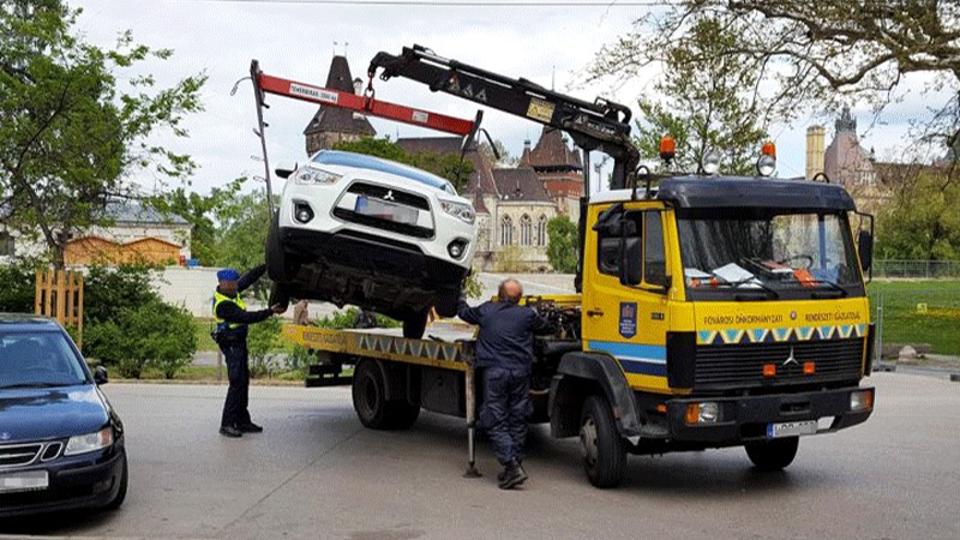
(790, 360)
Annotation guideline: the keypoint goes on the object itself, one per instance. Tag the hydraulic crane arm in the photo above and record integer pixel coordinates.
(602, 125)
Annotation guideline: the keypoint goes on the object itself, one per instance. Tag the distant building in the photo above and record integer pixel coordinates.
(137, 234)
(557, 165)
(331, 125)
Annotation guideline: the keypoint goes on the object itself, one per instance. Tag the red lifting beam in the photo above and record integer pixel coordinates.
(363, 104)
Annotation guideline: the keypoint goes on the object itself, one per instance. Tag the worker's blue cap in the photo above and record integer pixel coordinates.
(228, 274)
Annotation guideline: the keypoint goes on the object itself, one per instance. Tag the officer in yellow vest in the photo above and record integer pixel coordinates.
(231, 335)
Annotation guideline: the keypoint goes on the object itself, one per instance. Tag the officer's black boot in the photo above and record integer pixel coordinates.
(230, 431)
(513, 475)
(250, 427)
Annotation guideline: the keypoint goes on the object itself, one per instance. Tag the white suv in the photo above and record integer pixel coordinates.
(355, 229)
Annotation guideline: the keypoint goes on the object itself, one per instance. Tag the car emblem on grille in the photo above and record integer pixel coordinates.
(5, 436)
(790, 360)
(389, 196)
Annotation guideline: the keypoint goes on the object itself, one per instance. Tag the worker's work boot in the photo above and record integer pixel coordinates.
(513, 476)
(250, 428)
(230, 431)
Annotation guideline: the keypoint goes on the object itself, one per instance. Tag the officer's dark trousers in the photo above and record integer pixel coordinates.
(235, 411)
(504, 412)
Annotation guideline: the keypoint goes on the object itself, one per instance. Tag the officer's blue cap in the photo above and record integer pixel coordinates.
(228, 274)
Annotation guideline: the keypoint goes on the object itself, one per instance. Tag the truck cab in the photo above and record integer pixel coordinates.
(717, 311)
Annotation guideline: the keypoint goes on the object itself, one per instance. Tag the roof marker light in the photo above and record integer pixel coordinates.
(668, 148)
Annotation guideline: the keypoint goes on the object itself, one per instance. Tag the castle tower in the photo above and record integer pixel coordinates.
(816, 136)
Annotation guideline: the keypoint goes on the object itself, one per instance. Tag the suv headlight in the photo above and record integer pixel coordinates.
(461, 211)
(311, 175)
(90, 442)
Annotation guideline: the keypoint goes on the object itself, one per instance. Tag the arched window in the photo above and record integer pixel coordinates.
(526, 230)
(542, 230)
(506, 231)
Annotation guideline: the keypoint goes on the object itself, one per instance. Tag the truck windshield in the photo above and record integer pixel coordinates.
(38, 359)
(765, 253)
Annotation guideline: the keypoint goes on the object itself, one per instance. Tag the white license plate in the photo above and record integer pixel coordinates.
(791, 429)
(24, 481)
(386, 210)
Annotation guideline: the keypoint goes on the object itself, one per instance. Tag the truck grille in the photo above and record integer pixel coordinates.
(740, 366)
(18, 454)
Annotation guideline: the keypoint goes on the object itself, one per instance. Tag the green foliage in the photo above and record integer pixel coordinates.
(69, 139)
(347, 318)
(201, 211)
(922, 222)
(447, 166)
(17, 287)
(108, 291)
(263, 344)
(707, 105)
(562, 244)
(154, 334)
(472, 288)
(243, 235)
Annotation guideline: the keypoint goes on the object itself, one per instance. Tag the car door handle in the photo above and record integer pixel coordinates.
(595, 313)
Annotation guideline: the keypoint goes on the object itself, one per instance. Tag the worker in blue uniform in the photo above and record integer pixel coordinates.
(232, 319)
(504, 356)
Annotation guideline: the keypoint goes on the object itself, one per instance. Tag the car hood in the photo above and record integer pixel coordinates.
(28, 414)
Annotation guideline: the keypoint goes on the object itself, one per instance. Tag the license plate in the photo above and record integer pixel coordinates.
(24, 481)
(386, 210)
(791, 429)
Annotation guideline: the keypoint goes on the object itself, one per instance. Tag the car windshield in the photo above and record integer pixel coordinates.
(38, 359)
(349, 159)
(767, 252)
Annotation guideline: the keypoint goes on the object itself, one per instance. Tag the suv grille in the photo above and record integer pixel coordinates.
(400, 197)
(739, 366)
(18, 454)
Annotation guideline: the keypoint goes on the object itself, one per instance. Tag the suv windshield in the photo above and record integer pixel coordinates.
(768, 253)
(38, 359)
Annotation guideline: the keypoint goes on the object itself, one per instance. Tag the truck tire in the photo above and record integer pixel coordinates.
(415, 324)
(604, 450)
(371, 405)
(280, 265)
(772, 455)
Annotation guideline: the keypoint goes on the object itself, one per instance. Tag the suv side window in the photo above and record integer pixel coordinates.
(654, 260)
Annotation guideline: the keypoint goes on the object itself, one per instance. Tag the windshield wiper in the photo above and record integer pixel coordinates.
(834, 286)
(766, 290)
(34, 385)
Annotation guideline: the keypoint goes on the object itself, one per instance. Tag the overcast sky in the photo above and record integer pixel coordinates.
(296, 41)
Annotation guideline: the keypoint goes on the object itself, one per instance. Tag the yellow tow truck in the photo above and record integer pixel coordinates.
(712, 310)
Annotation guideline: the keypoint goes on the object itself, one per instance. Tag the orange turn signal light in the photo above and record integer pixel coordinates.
(662, 408)
(693, 413)
(668, 147)
(769, 149)
(769, 370)
(809, 368)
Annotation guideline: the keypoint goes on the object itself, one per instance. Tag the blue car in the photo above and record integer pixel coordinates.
(61, 443)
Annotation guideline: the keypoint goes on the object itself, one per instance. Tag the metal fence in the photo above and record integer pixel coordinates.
(907, 268)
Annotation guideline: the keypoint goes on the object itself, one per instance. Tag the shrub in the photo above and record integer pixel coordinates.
(108, 291)
(17, 287)
(349, 317)
(154, 334)
(263, 342)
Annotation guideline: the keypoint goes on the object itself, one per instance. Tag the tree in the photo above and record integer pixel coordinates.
(201, 212)
(70, 137)
(922, 222)
(243, 234)
(810, 55)
(17, 286)
(707, 106)
(562, 244)
(447, 166)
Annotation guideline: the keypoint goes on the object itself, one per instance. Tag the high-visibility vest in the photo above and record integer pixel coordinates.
(219, 298)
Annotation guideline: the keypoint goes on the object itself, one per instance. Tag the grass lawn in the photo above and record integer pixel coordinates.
(906, 322)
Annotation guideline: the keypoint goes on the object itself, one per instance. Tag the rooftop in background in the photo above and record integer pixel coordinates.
(551, 153)
(127, 212)
(333, 119)
(520, 185)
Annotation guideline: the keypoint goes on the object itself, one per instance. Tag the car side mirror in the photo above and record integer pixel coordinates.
(631, 261)
(100, 375)
(865, 250)
(283, 173)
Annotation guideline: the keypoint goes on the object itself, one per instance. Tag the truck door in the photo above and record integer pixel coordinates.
(629, 321)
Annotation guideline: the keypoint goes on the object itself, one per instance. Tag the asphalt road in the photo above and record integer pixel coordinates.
(316, 472)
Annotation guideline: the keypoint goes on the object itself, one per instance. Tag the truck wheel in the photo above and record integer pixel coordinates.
(604, 451)
(280, 266)
(369, 395)
(774, 454)
(415, 324)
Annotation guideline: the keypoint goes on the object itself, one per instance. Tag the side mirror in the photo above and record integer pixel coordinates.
(631, 261)
(283, 173)
(865, 250)
(100, 375)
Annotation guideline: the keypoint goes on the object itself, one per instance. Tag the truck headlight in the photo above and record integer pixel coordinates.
(706, 412)
(81, 444)
(311, 175)
(461, 211)
(861, 400)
